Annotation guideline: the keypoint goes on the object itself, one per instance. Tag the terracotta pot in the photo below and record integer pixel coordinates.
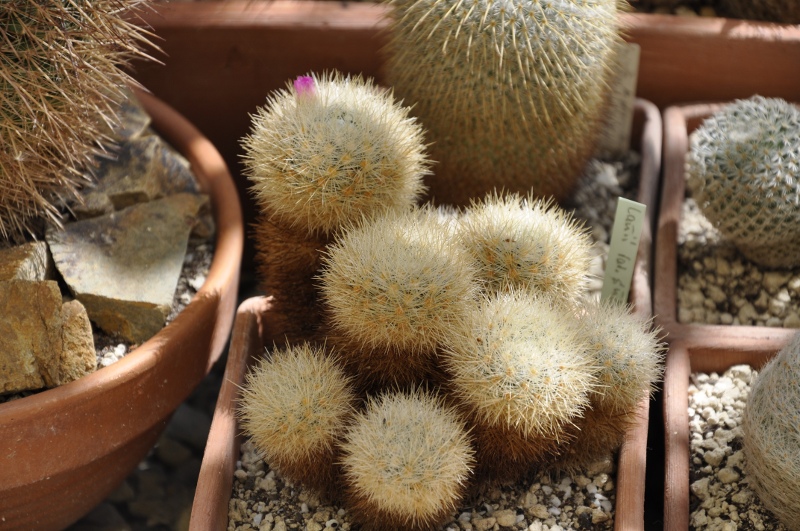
(692, 347)
(256, 326)
(62, 451)
(222, 59)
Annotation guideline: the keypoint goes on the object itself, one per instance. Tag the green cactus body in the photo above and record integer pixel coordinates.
(399, 282)
(60, 81)
(784, 11)
(771, 435)
(520, 365)
(743, 169)
(512, 93)
(527, 244)
(295, 407)
(629, 360)
(331, 149)
(406, 461)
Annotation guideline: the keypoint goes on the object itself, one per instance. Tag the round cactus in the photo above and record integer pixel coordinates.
(742, 170)
(628, 356)
(330, 149)
(399, 282)
(518, 364)
(513, 93)
(61, 83)
(527, 244)
(295, 407)
(785, 11)
(406, 462)
(771, 435)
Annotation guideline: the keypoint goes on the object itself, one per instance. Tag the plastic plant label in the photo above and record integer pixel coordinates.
(625, 235)
(616, 139)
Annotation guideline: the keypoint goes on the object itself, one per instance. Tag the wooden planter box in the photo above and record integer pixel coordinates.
(692, 347)
(221, 60)
(255, 327)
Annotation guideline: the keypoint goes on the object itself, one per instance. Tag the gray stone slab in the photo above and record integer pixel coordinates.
(124, 267)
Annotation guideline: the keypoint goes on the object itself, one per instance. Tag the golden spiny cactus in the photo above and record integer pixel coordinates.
(60, 77)
(295, 407)
(406, 462)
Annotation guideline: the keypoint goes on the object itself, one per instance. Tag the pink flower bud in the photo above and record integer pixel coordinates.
(304, 85)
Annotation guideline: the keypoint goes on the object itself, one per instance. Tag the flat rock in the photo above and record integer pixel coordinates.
(133, 119)
(140, 169)
(30, 334)
(124, 267)
(29, 261)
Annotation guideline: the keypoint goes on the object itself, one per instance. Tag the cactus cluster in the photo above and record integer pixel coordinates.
(60, 80)
(784, 11)
(771, 435)
(462, 331)
(513, 93)
(742, 170)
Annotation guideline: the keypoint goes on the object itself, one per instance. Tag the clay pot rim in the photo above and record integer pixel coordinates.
(215, 179)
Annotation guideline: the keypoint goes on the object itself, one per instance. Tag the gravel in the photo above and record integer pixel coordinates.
(720, 499)
(262, 500)
(716, 285)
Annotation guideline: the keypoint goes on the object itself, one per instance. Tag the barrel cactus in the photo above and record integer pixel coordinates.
(527, 243)
(742, 170)
(771, 435)
(295, 407)
(512, 93)
(520, 369)
(330, 149)
(785, 11)
(406, 461)
(60, 85)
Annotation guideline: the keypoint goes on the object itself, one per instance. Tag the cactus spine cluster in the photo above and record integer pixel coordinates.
(771, 435)
(60, 79)
(784, 11)
(295, 406)
(512, 93)
(407, 460)
(527, 243)
(742, 169)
